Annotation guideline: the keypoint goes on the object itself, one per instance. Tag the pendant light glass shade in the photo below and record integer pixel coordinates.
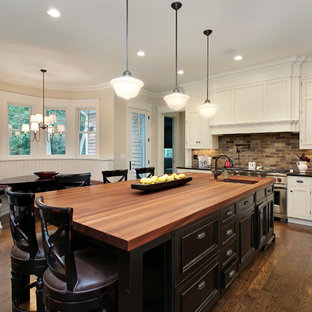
(126, 86)
(176, 100)
(207, 109)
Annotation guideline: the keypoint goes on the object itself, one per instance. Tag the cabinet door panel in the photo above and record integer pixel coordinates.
(225, 112)
(249, 103)
(277, 102)
(246, 238)
(191, 128)
(298, 202)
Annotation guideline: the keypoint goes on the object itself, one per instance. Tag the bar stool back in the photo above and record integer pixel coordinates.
(27, 257)
(81, 280)
(149, 171)
(123, 173)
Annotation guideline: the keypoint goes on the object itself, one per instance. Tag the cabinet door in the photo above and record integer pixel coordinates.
(270, 218)
(299, 202)
(262, 224)
(191, 127)
(247, 242)
(306, 116)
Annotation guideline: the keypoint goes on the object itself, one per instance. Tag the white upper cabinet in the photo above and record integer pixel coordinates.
(257, 99)
(197, 128)
(306, 115)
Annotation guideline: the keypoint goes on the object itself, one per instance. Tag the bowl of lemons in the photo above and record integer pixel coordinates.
(157, 183)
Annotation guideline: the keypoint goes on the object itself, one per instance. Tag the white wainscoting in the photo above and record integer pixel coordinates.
(14, 168)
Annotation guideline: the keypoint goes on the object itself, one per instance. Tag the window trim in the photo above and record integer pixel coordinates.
(86, 108)
(8, 130)
(64, 133)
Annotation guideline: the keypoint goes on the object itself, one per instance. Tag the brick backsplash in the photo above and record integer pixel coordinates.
(270, 150)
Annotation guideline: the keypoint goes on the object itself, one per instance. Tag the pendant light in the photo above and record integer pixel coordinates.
(126, 86)
(207, 109)
(176, 100)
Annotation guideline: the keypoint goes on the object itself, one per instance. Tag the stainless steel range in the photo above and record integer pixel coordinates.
(280, 187)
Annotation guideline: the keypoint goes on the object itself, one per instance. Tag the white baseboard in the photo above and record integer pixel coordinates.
(300, 221)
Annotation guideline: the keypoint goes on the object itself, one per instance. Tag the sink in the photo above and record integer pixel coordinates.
(238, 181)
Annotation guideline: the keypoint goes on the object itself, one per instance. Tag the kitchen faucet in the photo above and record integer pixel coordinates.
(216, 173)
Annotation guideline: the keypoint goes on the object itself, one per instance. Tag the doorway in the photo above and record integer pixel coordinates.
(171, 140)
(168, 145)
(139, 138)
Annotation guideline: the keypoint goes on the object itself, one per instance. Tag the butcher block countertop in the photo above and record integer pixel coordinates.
(126, 218)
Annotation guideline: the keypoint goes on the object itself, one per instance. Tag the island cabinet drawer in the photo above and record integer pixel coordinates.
(245, 203)
(269, 190)
(228, 232)
(196, 244)
(260, 195)
(229, 253)
(229, 275)
(201, 292)
(228, 213)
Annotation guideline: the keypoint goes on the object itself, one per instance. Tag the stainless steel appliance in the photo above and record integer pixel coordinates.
(280, 187)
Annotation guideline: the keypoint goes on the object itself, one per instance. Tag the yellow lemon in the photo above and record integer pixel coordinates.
(154, 179)
(161, 179)
(174, 175)
(148, 181)
(181, 176)
(143, 180)
(165, 177)
(170, 178)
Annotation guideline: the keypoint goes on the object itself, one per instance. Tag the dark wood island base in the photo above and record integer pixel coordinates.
(179, 249)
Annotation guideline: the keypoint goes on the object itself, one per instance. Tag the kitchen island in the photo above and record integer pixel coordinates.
(206, 231)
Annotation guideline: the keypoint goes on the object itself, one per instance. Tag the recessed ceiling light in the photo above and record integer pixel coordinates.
(238, 58)
(54, 12)
(181, 72)
(141, 53)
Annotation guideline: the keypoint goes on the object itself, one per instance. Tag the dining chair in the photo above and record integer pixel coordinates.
(123, 173)
(27, 256)
(149, 171)
(83, 280)
(66, 181)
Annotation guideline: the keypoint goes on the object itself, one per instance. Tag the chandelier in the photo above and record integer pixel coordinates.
(40, 121)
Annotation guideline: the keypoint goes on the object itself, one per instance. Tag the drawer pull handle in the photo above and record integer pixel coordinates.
(269, 191)
(201, 285)
(229, 232)
(201, 235)
(229, 213)
(232, 273)
(229, 253)
(246, 202)
(299, 181)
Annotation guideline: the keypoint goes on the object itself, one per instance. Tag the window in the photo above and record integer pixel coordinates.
(19, 142)
(87, 132)
(56, 145)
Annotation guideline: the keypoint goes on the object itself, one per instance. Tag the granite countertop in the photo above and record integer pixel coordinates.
(307, 173)
(195, 168)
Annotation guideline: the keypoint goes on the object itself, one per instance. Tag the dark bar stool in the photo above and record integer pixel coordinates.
(27, 257)
(66, 181)
(82, 280)
(123, 173)
(149, 171)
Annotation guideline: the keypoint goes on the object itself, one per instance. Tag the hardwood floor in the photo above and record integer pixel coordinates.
(279, 279)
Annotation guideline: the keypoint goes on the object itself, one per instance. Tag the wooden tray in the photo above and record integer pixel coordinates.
(160, 186)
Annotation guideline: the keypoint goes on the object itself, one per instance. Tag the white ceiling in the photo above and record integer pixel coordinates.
(85, 46)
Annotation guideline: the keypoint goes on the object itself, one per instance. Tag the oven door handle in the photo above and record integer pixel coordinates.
(279, 187)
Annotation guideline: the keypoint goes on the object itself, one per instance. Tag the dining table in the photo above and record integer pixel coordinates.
(133, 222)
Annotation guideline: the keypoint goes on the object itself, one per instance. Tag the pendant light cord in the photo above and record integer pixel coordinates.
(176, 52)
(127, 44)
(207, 69)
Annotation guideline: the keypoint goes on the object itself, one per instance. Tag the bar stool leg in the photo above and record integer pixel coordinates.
(39, 294)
